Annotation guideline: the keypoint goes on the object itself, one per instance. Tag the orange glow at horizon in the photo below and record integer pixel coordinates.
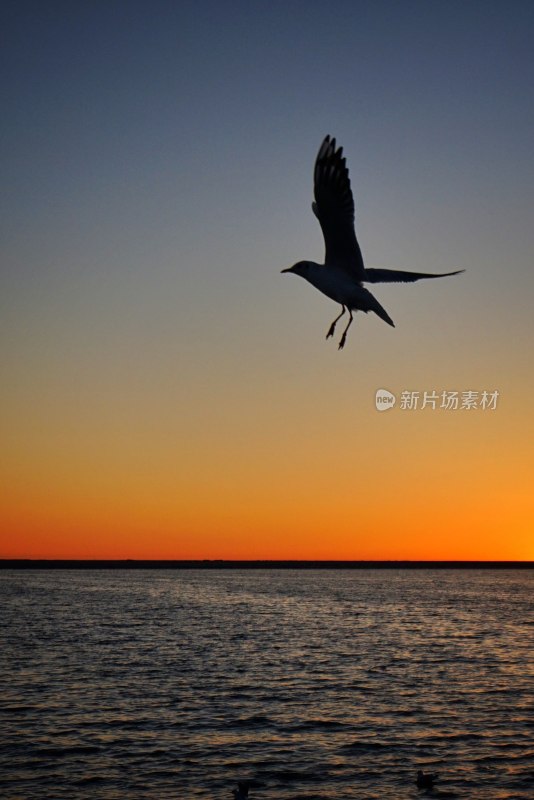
(183, 444)
(246, 502)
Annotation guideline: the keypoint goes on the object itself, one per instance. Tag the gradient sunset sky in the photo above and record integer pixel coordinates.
(166, 392)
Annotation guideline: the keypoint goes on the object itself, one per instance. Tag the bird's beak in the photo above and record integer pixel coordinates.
(289, 269)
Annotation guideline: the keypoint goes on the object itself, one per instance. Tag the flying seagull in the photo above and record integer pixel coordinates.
(343, 272)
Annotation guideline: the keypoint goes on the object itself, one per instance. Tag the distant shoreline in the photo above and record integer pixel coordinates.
(29, 563)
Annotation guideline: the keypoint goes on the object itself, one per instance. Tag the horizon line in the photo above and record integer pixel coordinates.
(234, 563)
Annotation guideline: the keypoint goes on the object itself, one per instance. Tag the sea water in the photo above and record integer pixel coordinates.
(308, 683)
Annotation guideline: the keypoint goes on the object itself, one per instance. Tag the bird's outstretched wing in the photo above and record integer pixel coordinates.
(334, 208)
(399, 276)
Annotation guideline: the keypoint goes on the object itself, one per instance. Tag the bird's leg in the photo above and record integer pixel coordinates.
(343, 338)
(332, 327)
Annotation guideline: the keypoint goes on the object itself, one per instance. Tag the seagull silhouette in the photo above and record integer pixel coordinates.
(343, 272)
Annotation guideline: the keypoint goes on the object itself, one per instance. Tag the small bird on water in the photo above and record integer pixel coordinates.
(241, 793)
(343, 272)
(426, 780)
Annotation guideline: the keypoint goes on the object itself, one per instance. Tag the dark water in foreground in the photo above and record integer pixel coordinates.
(314, 684)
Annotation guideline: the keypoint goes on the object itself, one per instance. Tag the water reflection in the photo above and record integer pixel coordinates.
(309, 684)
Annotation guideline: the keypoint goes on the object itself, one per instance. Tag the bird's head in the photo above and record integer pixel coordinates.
(301, 268)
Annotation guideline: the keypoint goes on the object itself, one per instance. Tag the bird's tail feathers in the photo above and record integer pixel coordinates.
(381, 312)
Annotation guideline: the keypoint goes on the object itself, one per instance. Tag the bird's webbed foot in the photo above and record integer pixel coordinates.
(342, 341)
(331, 330)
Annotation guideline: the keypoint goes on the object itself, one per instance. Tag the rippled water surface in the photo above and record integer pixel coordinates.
(311, 684)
